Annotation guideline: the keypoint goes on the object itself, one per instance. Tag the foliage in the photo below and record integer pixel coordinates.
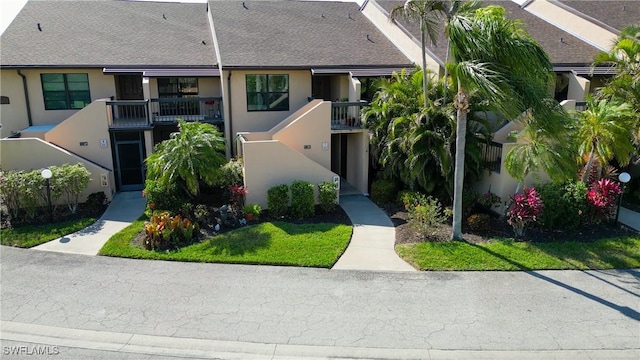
(10, 183)
(383, 191)
(302, 199)
(164, 231)
(410, 199)
(162, 196)
(479, 222)
(425, 213)
(29, 236)
(525, 209)
(327, 195)
(253, 209)
(76, 179)
(489, 200)
(201, 214)
(565, 205)
(96, 201)
(278, 200)
(601, 197)
(231, 174)
(469, 201)
(237, 196)
(277, 243)
(193, 154)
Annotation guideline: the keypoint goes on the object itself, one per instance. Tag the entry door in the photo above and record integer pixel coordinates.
(129, 163)
(129, 87)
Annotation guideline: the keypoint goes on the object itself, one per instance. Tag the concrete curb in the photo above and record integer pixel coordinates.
(218, 349)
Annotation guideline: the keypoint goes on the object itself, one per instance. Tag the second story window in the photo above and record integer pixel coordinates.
(177, 87)
(267, 92)
(65, 91)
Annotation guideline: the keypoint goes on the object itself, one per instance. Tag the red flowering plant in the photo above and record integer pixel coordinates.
(601, 198)
(525, 209)
(237, 197)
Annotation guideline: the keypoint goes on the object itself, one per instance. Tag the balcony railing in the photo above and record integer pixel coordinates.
(491, 155)
(128, 113)
(169, 110)
(346, 115)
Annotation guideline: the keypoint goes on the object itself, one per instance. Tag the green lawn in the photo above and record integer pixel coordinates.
(29, 236)
(620, 253)
(277, 243)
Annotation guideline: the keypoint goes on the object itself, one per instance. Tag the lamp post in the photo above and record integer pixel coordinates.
(46, 174)
(624, 178)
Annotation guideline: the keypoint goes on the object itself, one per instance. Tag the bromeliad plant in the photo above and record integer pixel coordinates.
(601, 197)
(164, 231)
(525, 209)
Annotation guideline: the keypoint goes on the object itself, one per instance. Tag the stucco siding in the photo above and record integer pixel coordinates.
(13, 116)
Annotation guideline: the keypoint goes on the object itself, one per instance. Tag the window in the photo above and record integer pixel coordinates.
(65, 91)
(267, 92)
(177, 87)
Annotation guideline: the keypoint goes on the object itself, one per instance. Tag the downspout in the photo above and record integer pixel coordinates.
(26, 96)
(230, 112)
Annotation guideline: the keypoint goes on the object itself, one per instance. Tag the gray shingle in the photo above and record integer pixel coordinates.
(570, 50)
(108, 33)
(299, 34)
(617, 14)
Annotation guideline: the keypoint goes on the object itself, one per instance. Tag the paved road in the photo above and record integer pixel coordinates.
(430, 312)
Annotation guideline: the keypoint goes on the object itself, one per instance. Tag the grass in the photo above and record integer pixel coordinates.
(507, 254)
(269, 243)
(29, 236)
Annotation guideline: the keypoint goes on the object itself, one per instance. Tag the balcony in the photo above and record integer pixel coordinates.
(491, 155)
(346, 115)
(165, 111)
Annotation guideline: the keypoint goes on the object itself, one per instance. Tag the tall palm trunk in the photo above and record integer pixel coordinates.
(423, 28)
(462, 106)
(446, 73)
(587, 168)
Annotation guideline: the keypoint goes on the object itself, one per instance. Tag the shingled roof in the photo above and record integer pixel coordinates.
(108, 33)
(617, 14)
(562, 47)
(297, 34)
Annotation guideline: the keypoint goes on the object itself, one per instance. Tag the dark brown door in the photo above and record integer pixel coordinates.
(129, 87)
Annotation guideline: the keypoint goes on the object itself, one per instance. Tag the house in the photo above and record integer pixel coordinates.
(282, 80)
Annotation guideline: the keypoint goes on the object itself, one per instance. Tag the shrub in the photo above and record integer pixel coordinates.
(426, 214)
(231, 174)
(201, 214)
(601, 197)
(565, 205)
(10, 183)
(489, 200)
(162, 197)
(278, 200)
(76, 180)
(163, 231)
(525, 209)
(254, 209)
(469, 201)
(237, 197)
(327, 195)
(96, 202)
(409, 199)
(383, 191)
(302, 199)
(479, 222)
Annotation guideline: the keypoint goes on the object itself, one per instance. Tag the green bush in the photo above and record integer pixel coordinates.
(302, 199)
(10, 183)
(253, 209)
(469, 201)
(479, 222)
(410, 199)
(383, 191)
(278, 200)
(565, 205)
(96, 201)
(426, 214)
(160, 197)
(327, 195)
(231, 174)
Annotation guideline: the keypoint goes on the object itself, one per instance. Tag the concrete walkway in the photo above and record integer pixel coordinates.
(125, 208)
(630, 218)
(373, 239)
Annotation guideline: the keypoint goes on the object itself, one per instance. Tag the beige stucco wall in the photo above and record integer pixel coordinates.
(578, 87)
(88, 125)
(13, 116)
(358, 160)
(32, 153)
(573, 24)
(100, 86)
(403, 42)
(243, 120)
(270, 163)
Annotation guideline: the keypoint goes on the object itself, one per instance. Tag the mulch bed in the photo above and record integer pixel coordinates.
(499, 229)
(60, 214)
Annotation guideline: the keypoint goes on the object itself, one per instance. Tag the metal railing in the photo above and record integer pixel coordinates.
(128, 113)
(203, 109)
(346, 114)
(491, 155)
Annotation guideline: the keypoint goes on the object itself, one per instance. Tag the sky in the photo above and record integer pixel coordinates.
(11, 8)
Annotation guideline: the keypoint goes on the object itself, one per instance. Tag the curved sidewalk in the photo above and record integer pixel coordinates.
(372, 245)
(125, 208)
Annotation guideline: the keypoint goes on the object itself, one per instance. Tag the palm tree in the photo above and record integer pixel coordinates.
(496, 58)
(193, 154)
(602, 131)
(426, 12)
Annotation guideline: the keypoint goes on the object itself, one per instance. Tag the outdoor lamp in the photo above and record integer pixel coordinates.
(624, 178)
(47, 174)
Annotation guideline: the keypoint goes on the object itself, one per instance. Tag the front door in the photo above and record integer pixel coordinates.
(129, 87)
(129, 156)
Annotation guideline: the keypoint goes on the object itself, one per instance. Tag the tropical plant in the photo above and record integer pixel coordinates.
(193, 154)
(164, 231)
(426, 13)
(425, 214)
(495, 58)
(254, 209)
(565, 205)
(231, 173)
(602, 197)
(525, 209)
(602, 131)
